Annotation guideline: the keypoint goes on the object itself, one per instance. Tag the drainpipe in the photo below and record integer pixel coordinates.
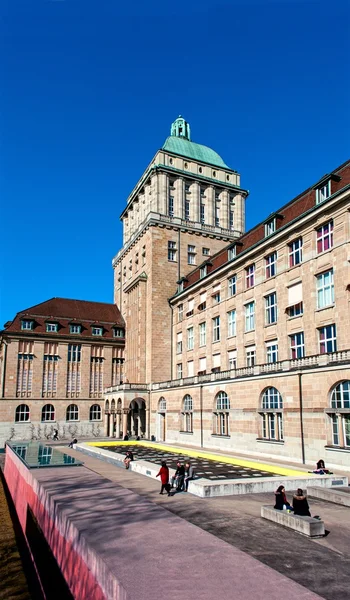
(171, 340)
(301, 419)
(201, 412)
(179, 255)
(3, 371)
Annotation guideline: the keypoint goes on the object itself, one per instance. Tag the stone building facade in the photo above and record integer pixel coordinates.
(235, 341)
(56, 358)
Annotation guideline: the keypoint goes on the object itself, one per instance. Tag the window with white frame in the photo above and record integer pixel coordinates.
(51, 327)
(202, 365)
(179, 343)
(73, 371)
(272, 351)
(295, 300)
(72, 413)
(340, 401)
(190, 368)
(180, 286)
(271, 265)
(50, 370)
(325, 289)
(270, 227)
(203, 271)
(271, 308)
(22, 413)
(118, 332)
(180, 312)
(250, 276)
(232, 359)
(202, 334)
(27, 325)
(74, 328)
(96, 370)
(179, 370)
(232, 253)
(217, 212)
(172, 251)
(202, 213)
(297, 347)
(202, 301)
(187, 210)
(190, 308)
(216, 363)
(97, 330)
(187, 413)
(95, 413)
(216, 329)
(324, 237)
(221, 414)
(162, 405)
(171, 206)
(296, 252)
(231, 323)
(47, 413)
(191, 255)
(190, 338)
(25, 372)
(206, 251)
(249, 316)
(327, 337)
(250, 356)
(272, 415)
(232, 285)
(231, 219)
(323, 192)
(216, 298)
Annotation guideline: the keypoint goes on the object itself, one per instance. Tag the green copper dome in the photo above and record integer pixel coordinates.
(179, 143)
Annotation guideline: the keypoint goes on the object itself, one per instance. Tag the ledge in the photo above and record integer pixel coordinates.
(274, 442)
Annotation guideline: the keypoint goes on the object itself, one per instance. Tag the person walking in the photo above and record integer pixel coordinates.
(189, 474)
(163, 473)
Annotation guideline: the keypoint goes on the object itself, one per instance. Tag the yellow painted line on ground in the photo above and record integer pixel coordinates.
(287, 471)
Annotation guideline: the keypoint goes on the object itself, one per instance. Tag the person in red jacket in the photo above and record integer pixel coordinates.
(164, 476)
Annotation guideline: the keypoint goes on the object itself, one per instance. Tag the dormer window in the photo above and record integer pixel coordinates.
(74, 328)
(118, 332)
(231, 254)
(203, 271)
(323, 192)
(180, 286)
(270, 227)
(51, 327)
(97, 331)
(27, 325)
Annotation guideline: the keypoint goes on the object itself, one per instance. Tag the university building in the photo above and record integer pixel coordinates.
(56, 358)
(234, 341)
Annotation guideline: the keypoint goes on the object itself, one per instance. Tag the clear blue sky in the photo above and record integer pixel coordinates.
(90, 89)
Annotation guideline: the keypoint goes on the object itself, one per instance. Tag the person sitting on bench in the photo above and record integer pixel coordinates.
(128, 458)
(300, 504)
(281, 502)
(178, 478)
(189, 474)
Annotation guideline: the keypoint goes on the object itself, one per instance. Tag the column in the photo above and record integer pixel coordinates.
(106, 424)
(195, 201)
(224, 209)
(179, 198)
(125, 421)
(111, 425)
(210, 205)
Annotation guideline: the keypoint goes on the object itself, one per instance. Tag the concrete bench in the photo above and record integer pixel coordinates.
(306, 525)
(341, 495)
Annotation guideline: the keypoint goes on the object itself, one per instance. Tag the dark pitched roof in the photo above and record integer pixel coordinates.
(65, 311)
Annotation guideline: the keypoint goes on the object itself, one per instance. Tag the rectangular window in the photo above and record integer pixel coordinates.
(26, 325)
(172, 251)
(190, 339)
(335, 430)
(187, 210)
(231, 253)
(250, 354)
(217, 213)
(190, 308)
(202, 365)
(323, 192)
(297, 348)
(324, 237)
(179, 371)
(96, 371)
(203, 271)
(179, 343)
(250, 316)
(50, 368)
(231, 221)
(231, 323)
(117, 366)
(202, 334)
(25, 369)
(270, 227)
(271, 265)
(327, 339)
(232, 359)
(171, 206)
(295, 300)
(191, 255)
(232, 282)
(271, 308)
(296, 252)
(272, 352)
(118, 332)
(190, 368)
(216, 329)
(73, 371)
(74, 328)
(202, 213)
(216, 298)
(97, 331)
(180, 313)
(250, 276)
(206, 251)
(296, 310)
(216, 362)
(325, 289)
(51, 327)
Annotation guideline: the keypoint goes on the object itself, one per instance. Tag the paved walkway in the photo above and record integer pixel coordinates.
(322, 566)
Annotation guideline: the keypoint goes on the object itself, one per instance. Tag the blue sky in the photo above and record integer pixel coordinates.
(90, 90)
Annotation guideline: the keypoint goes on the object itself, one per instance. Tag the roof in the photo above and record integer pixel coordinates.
(183, 147)
(66, 311)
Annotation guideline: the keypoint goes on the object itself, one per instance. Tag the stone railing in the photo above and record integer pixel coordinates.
(127, 386)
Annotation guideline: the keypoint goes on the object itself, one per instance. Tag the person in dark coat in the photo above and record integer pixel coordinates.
(281, 499)
(163, 473)
(300, 504)
(189, 474)
(129, 457)
(178, 478)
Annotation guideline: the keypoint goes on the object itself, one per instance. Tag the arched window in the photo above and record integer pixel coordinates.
(221, 414)
(113, 405)
(48, 413)
(187, 414)
(22, 413)
(272, 415)
(107, 405)
(95, 412)
(72, 413)
(340, 401)
(162, 405)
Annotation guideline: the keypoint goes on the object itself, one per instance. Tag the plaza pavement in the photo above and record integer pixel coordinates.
(322, 566)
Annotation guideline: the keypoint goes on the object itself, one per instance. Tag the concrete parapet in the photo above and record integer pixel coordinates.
(306, 525)
(340, 495)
